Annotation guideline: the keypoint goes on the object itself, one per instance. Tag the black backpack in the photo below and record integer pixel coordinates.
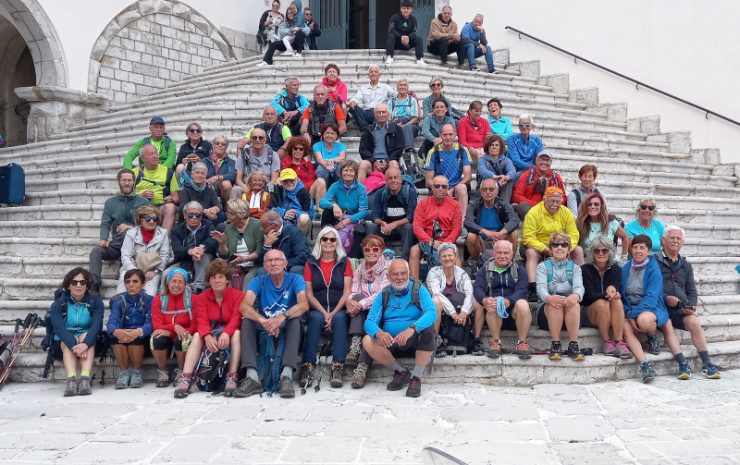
(457, 339)
(210, 375)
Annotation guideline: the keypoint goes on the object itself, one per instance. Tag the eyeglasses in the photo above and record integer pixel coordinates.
(78, 282)
(298, 149)
(441, 186)
(150, 219)
(600, 251)
(487, 189)
(193, 215)
(258, 137)
(374, 249)
(381, 162)
(647, 207)
(436, 84)
(328, 239)
(594, 204)
(220, 144)
(563, 245)
(195, 130)
(132, 281)
(524, 125)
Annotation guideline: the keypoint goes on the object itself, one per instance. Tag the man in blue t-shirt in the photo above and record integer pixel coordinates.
(274, 303)
(524, 147)
(451, 160)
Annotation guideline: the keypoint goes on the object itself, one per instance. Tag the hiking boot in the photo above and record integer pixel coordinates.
(400, 379)
(183, 386)
(494, 351)
(123, 379)
(574, 351)
(163, 377)
(441, 351)
(336, 375)
(522, 350)
(623, 350)
(137, 380)
(305, 379)
(230, 386)
(684, 370)
(359, 376)
(648, 372)
(414, 389)
(554, 352)
(249, 387)
(609, 347)
(653, 345)
(71, 389)
(176, 378)
(84, 388)
(710, 371)
(532, 296)
(478, 349)
(285, 388)
(355, 347)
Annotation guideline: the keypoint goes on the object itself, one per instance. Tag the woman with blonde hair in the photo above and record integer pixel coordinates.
(146, 247)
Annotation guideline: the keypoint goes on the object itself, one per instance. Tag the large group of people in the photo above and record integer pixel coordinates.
(218, 254)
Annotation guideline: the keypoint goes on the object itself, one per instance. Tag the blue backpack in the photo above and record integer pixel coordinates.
(269, 360)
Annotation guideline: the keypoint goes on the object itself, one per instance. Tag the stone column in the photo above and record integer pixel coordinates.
(56, 109)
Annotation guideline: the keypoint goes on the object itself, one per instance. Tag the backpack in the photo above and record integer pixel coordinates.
(269, 360)
(165, 187)
(569, 266)
(210, 373)
(457, 339)
(405, 192)
(438, 158)
(415, 291)
(320, 118)
(491, 269)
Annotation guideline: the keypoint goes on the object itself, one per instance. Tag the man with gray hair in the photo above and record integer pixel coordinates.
(363, 104)
(473, 44)
(321, 112)
(679, 289)
(523, 147)
(286, 237)
(444, 37)
(200, 191)
(277, 133)
(193, 247)
(290, 105)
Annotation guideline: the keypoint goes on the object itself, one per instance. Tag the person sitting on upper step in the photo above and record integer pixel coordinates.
(472, 130)
(451, 160)
(362, 105)
(392, 211)
(501, 294)
(402, 35)
(290, 105)
(437, 87)
(500, 124)
(586, 177)
(444, 37)
(298, 158)
(382, 137)
(267, 29)
(497, 166)
(533, 182)
(560, 290)
(432, 124)
(277, 133)
(287, 238)
(544, 219)
(118, 217)
(523, 147)
(157, 183)
(193, 150)
(221, 174)
(258, 156)
(679, 293)
(473, 44)
(404, 111)
(193, 246)
(488, 220)
(345, 208)
(645, 310)
(320, 113)
(337, 89)
(291, 36)
(198, 190)
(437, 219)
(593, 221)
(165, 147)
(292, 201)
(647, 224)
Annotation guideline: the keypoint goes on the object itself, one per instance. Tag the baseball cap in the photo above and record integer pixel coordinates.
(156, 120)
(287, 174)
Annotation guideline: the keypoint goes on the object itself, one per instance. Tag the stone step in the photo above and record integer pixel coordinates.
(52, 212)
(41, 288)
(52, 266)
(720, 304)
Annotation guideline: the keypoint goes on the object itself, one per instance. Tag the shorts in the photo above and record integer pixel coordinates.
(509, 323)
(167, 343)
(426, 341)
(585, 321)
(542, 318)
(677, 319)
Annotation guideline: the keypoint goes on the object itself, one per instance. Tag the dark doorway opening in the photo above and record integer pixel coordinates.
(18, 70)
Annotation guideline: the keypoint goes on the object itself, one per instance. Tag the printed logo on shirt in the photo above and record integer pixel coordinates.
(275, 309)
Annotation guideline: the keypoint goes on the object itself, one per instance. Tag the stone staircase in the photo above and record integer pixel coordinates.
(70, 176)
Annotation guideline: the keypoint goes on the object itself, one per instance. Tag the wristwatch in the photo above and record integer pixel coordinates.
(416, 330)
(286, 314)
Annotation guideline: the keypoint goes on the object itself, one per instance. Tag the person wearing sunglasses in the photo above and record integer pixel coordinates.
(166, 148)
(147, 247)
(392, 211)
(258, 156)
(647, 224)
(452, 160)
(315, 30)
(221, 168)
(345, 206)
(77, 318)
(198, 190)
(193, 247)
(560, 290)
(298, 158)
(587, 177)
(370, 278)
(602, 306)
(524, 146)
(593, 221)
(320, 112)
(488, 220)
(436, 86)
(292, 201)
(193, 150)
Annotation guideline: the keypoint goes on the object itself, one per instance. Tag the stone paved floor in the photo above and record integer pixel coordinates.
(667, 422)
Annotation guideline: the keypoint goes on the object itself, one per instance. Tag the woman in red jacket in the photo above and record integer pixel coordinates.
(173, 323)
(472, 130)
(218, 321)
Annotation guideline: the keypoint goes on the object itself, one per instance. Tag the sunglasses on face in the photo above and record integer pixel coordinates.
(441, 186)
(329, 239)
(258, 137)
(524, 125)
(601, 251)
(194, 130)
(594, 204)
(372, 248)
(78, 282)
(220, 144)
(150, 219)
(298, 149)
(193, 215)
(647, 207)
(555, 245)
(436, 84)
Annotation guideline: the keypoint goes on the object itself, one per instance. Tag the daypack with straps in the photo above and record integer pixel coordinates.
(187, 300)
(569, 266)
(415, 291)
(321, 117)
(270, 358)
(167, 142)
(438, 158)
(405, 192)
(165, 187)
(491, 272)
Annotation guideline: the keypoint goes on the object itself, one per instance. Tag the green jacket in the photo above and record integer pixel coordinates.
(167, 155)
(119, 209)
(252, 236)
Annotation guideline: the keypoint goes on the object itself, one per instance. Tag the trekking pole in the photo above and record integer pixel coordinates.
(320, 367)
(15, 347)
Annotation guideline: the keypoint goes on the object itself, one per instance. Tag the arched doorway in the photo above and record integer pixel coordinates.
(18, 71)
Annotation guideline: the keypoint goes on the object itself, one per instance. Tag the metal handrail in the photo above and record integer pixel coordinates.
(637, 83)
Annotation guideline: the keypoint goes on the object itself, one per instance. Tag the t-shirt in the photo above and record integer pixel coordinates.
(489, 219)
(336, 149)
(326, 269)
(449, 166)
(654, 232)
(273, 301)
(395, 210)
(596, 232)
(267, 163)
(155, 181)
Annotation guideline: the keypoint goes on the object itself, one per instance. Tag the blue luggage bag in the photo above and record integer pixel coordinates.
(12, 184)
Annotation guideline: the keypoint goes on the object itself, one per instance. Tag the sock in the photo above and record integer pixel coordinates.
(417, 371)
(85, 374)
(71, 374)
(287, 372)
(704, 355)
(252, 373)
(680, 358)
(395, 366)
(477, 340)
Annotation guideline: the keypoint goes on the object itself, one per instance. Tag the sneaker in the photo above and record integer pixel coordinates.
(522, 350)
(389, 61)
(400, 379)
(249, 387)
(71, 389)
(478, 349)
(163, 377)
(262, 64)
(609, 347)
(336, 375)
(414, 389)
(355, 347)
(287, 53)
(137, 380)
(653, 344)
(574, 351)
(554, 352)
(624, 351)
(285, 388)
(441, 351)
(684, 371)
(230, 386)
(183, 386)
(648, 372)
(421, 62)
(305, 378)
(123, 379)
(84, 388)
(178, 375)
(494, 351)
(710, 371)
(475, 69)
(359, 376)
(492, 71)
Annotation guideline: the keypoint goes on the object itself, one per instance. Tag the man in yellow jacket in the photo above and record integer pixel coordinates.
(545, 218)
